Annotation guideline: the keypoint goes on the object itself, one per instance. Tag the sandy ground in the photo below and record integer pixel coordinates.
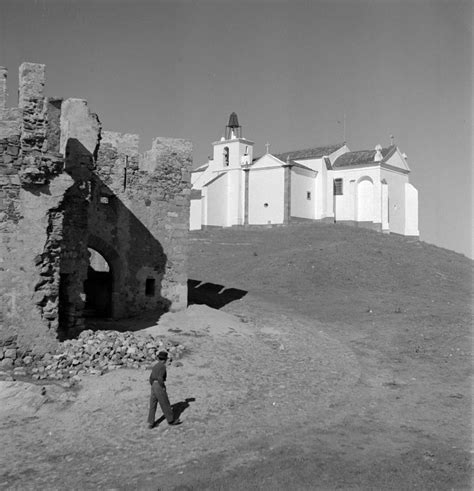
(271, 397)
(298, 411)
(237, 383)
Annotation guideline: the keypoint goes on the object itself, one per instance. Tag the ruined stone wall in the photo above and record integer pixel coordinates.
(31, 187)
(151, 203)
(66, 186)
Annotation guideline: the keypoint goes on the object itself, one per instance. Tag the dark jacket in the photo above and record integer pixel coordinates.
(158, 373)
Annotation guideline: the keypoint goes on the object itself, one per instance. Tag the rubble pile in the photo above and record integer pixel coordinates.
(93, 352)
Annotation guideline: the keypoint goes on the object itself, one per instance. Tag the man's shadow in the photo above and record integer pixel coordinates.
(178, 409)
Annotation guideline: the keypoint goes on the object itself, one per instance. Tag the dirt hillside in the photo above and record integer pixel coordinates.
(333, 358)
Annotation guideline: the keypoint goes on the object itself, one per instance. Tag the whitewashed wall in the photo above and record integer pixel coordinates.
(234, 197)
(236, 150)
(347, 206)
(396, 199)
(266, 186)
(384, 205)
(365, 206)
(320, 201)
(411, 210)
(195, 213)
(302, 182)
(327, 184)
(217, 201)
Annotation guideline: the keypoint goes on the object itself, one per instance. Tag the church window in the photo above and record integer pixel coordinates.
(338, 187)
(226, 156)
(308, 195)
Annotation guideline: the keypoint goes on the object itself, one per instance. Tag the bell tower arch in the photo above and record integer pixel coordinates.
(232, 151)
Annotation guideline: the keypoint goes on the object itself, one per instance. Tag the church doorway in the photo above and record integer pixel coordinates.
(98, 286)
(365, 200)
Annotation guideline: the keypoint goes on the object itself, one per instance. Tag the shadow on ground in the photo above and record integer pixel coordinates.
(136, 323)
(200, 293)
(178, 409)
(211, 294)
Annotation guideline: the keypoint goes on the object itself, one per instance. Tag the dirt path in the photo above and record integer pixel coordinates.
(245, 387)
(278, 403)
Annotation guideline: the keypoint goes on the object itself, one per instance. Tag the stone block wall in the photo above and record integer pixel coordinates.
(151, 206)
(67, 187)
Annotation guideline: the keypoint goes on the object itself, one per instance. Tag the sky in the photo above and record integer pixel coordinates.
(290, 69)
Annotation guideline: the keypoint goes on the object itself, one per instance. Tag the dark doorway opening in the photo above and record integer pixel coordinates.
(98, 287)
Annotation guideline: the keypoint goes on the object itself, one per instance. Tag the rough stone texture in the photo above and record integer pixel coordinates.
(3, 87)
(32, 80)
(92, 352)
(53, 112)
(9, 122)
(65, 187)
(79, 125)
(125, 143)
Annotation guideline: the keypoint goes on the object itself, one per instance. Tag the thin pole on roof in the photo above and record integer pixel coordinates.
(344, 127)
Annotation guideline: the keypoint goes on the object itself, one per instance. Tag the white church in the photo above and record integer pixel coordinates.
(367, 188)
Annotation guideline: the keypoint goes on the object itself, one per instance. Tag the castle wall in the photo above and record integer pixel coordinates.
(66, 186)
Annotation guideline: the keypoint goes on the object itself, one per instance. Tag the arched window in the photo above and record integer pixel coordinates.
(226, 156)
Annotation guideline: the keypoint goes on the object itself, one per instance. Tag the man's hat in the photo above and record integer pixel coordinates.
(162, 355)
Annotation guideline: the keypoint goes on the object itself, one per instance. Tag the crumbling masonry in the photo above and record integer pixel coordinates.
(69, 190)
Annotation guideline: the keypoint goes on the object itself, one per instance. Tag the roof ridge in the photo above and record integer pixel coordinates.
(338, 145)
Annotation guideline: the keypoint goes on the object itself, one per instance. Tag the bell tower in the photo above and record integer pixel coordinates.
(232, 151)
(233, 156)
(233, 129)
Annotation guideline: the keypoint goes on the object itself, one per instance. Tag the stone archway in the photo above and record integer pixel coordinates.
(98, 286)
(105, 284)
(365, 200)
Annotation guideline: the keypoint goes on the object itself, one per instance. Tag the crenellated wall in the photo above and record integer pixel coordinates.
(67, 187)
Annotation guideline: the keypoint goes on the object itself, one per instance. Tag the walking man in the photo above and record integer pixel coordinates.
(158, 392)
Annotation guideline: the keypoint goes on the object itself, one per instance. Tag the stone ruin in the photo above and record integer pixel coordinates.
(88, 226)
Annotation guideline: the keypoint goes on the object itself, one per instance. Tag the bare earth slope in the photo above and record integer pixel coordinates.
(339, 359)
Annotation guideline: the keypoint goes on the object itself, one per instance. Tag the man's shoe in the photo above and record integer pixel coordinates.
(175, 422)
(151, 426)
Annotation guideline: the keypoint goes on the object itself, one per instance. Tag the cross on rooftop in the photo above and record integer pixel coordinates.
(267, 145)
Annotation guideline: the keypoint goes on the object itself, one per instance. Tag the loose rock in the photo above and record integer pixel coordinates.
(92, 352)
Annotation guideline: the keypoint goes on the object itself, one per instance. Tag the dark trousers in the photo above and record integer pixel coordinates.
(159, 395)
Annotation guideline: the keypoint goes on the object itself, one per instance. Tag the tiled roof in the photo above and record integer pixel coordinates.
(289, 161)
(301, 166)
(361, 157)
(309, 153)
